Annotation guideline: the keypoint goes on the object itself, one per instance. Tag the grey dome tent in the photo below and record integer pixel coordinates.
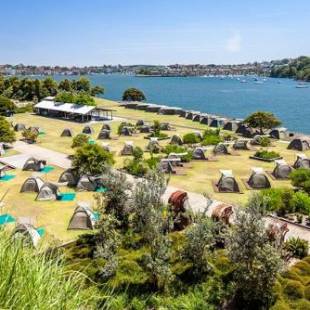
(19, 127)
(153, 108)
(258, 179)
(153, 145)
(87, 183)
(128, 148)
(282, 170)
(227, 182)
(300, 144)
(104, 134)
(126, 131)
(145, 129)
(217, 122)
(142, 106)
(199, 153)
(88, 130)
(164, 126)
(189, 115)
(302, 161)
(69, 176)
(67, 132)
(33, 164)
(220, 148)
(257, 140)
(48, 191)
(140, 122)
(27, 233)
(205, 120)
(32, 184)
(278, 133)
(198, 134)
(183, 113)
(106, 126)
(176, 139)
(246, 131)
(165, 166)
(196, 118)
(231, 126)
(83, 217)
(240, 145)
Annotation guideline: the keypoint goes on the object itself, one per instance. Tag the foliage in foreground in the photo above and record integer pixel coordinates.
(301, 179)
(30, 280)
(7, 133)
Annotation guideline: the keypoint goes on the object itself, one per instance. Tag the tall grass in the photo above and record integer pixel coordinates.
(29, 280)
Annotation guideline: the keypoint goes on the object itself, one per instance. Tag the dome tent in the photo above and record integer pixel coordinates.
(19, 127)
(32, 184)
(48, 191)
(165, 166)
(227, 182)
(220, 148)
(199, 153)
(69, 176)
(128, 148)
(87, 183)
(246, 131)
(153, 145)
(279, 133)
(126, 131)
(258, 179)
(223, 213)
(145, 129)
(217, 122)
(27, 233)
(140, 122)
(282, 170)
(176, 139)
(104, 134)
(106, 146)
(33, 164)
(302, 161)
(300, 144)
(67, 132)
(83, 217)
(88, 130)
(106, 126)
(241, 145)
(164, 126)
(231, 126)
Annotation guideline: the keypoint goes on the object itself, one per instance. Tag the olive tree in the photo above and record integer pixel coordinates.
(262, 120)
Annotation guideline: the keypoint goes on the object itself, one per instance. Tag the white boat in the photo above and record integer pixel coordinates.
(302, 85)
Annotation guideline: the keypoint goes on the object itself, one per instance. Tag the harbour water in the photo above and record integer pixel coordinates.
(227, 96)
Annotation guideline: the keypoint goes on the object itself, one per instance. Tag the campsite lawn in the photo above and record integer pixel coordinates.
(54, 216)
(196, 176)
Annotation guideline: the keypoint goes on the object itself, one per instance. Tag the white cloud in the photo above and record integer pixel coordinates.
(233, 44)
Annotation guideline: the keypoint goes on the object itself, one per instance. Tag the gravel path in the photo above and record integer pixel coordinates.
(197, 201)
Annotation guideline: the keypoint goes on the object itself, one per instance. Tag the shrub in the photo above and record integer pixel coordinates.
(263, 154)
(152, 162)
(294, 289)
(173, 148)
(135, 167)
(24, 109)
(265, 141)
(137, 153)
(133, 94)
(302, 304)
(159, 135)
(6, 105)
(211, 140)
(77, 98)
(307, 292)
(30, 135)
(79, 140)
(301, 179)
(297, 247)
(124, 124)
(191, 138)
(280, 305)
(7, 134)
(300, 202)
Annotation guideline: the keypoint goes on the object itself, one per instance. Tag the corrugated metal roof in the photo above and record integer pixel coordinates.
(65, 107)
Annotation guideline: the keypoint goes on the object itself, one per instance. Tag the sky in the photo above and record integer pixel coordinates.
(96, 32)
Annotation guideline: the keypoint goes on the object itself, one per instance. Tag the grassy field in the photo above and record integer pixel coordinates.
(197, 176)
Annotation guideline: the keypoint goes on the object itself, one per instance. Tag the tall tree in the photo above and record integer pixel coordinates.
(257, 263)
(6, 106)
(133, 94)
(262, 120)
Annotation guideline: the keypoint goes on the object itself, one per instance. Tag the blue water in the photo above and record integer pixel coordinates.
(227, 97)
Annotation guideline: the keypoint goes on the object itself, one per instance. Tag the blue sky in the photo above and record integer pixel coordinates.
(94, 32)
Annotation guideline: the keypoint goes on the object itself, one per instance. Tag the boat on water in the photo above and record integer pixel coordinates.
(243, 81)
(302, 85)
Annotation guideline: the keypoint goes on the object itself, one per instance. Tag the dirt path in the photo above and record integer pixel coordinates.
(197, 201)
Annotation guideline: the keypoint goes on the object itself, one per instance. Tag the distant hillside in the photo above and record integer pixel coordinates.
(298, 68)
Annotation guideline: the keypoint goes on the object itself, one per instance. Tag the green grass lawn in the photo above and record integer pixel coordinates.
(198, 175)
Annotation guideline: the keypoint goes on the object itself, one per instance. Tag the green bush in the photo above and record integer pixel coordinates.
(173, 148)
(77, 98)
(24, 109)
(152, 162)
(294, 289)
(135, 167)
(191, 138)
(301, 179)
(280, 305)
(79, 140)
(265, 141)
(263, 154)
(211, 140)
(300, 202)
(137, 153)
(159, 135)
(302, 304)
(297, 247)
(307, 292)
(6, 105)
(124, 124)
(7, 134)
